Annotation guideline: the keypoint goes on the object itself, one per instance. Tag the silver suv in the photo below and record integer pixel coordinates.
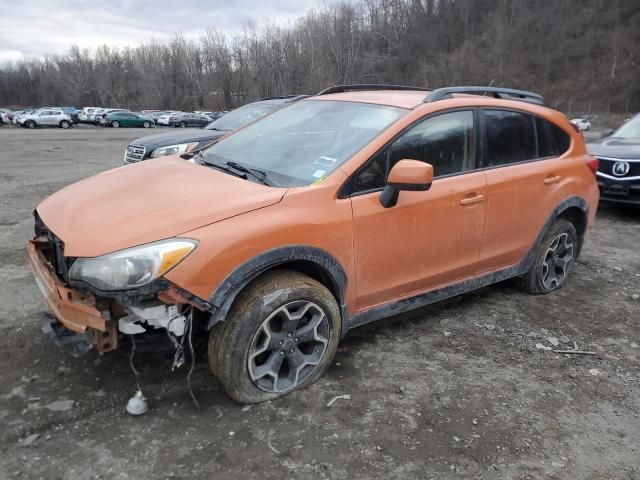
(46, 117)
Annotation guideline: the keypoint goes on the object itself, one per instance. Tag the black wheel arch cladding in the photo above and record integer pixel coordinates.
(306, 259)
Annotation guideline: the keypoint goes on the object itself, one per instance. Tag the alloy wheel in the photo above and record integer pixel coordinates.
(288, 346)
(557, 261)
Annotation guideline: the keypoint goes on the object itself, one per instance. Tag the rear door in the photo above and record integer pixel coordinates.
(525, 182)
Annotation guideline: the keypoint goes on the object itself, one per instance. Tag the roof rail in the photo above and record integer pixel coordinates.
(496, 92)
(368, 86)
(283, 97)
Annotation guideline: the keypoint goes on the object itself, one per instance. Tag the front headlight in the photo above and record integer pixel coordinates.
(133, 267)
(171, 150)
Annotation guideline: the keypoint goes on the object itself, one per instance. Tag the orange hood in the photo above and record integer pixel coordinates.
(145, 202)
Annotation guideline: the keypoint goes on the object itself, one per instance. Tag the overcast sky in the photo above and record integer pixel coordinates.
(37, 27)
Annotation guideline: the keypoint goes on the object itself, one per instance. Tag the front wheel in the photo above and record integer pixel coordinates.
(115, 124)
(554, 259)
(183, 124)
(30, 124)
(146, 124)
(280, 335)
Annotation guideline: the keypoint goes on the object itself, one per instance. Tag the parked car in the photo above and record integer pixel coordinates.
(582, 124)
(619, 155)
(5, 116)
(20, 113)
(128, 119)
(337, 211)
(101, 117)
(183, 120)
(73, 113)
(164, 119)
(84, 115)
(46, 117)
(178, 143)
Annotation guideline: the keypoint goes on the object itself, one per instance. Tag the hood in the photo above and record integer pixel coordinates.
(145, 202)
(616, 148)
(174, 138)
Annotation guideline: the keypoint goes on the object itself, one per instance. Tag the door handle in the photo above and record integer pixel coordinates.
(551, 180)
(471, 200)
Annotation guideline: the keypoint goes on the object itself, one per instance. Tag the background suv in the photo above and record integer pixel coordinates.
(342, 209)
(46, 117)
(619, 156)
(177, 143)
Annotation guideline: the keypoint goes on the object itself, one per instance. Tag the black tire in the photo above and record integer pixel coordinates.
(231, 341)
(535, 280)
(182, 124)
(30, 124)
(115, 124)
(146, 124)
(64, 124)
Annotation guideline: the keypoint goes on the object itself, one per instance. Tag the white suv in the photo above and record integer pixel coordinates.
(46, 117)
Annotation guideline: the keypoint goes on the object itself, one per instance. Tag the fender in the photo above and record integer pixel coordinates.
(224, 295)
(474, 283)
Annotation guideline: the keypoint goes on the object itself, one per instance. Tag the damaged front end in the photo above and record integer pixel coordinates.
(87, 307)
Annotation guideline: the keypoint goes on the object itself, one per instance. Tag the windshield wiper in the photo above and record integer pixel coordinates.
(230, 171)
(254, 172)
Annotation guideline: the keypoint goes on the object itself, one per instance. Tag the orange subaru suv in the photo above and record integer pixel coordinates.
(358, 203)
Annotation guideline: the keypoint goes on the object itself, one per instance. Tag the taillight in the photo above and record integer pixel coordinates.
(592, 162)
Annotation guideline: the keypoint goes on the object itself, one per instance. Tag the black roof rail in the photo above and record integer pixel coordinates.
(368, 86)
(291, 98)
(496, 92)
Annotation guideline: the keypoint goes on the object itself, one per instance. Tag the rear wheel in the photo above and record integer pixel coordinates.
(280, 335)
(64, 124)
(115, 124)
(554, 259)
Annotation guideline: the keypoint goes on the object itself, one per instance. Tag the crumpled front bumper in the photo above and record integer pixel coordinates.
(75, 310)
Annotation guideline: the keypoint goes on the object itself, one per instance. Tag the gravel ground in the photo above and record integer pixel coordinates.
(455, 390)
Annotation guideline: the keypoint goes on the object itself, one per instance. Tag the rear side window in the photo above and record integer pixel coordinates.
(546, 144)
(561, 138)
(511, 137)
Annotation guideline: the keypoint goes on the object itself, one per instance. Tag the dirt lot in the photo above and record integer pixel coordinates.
(456, 390)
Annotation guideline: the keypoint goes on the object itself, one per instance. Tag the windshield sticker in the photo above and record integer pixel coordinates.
(320, 180)
(319, 173)
(326, 161)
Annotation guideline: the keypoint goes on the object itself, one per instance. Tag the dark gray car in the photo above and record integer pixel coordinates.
(619, 155)
(190, 140)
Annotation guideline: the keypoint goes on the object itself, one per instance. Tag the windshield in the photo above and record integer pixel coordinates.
(631, 129)
(243, 115)
(306, 141)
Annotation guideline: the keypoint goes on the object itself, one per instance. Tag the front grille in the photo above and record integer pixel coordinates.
(134, 153)
(607, 164)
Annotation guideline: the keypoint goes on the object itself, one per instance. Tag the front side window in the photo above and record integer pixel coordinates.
(511, 137)
(306, 141)
(446, 141)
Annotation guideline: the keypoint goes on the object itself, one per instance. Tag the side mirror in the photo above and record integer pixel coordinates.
(410, 175)
(606, 133)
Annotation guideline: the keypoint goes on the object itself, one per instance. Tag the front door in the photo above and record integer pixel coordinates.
(430, 238)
